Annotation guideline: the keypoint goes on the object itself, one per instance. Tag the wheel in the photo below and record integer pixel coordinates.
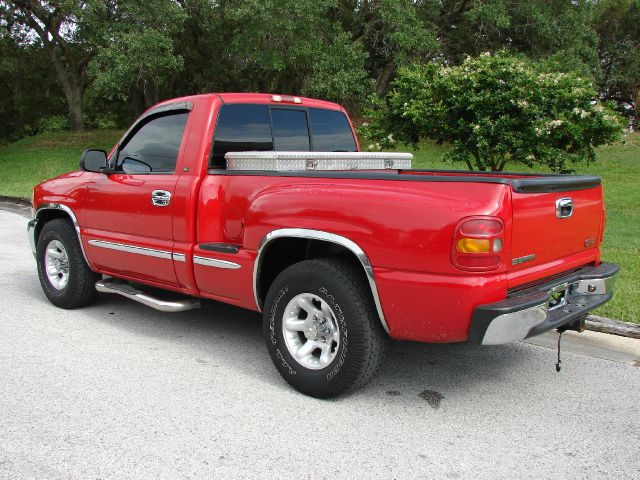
(66, 279)
(322, 329)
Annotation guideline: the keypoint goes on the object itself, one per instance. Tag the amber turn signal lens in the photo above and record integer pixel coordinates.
(473, 245)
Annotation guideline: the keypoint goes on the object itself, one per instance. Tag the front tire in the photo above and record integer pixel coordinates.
(66, 279)
(322, 329)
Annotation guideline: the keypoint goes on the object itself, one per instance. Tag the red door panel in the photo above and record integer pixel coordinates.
(119, 215)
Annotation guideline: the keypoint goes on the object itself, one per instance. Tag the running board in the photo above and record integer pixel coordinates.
(111, 285)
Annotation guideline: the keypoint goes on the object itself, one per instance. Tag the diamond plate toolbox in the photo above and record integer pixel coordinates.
(301, 161)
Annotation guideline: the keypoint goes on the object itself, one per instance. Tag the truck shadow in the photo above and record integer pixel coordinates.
(228, 337)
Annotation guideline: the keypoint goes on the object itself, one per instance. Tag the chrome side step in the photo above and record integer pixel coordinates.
(111, 285)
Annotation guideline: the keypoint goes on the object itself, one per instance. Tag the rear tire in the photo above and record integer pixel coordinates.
(66, 279)
(322, 329)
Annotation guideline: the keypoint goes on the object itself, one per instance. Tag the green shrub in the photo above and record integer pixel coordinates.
(497, 109)
(104, 122)
(54, 123)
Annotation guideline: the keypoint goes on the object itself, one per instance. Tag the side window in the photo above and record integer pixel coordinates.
(330, 131)
(241, 128)
(154, 147)
(290, 130)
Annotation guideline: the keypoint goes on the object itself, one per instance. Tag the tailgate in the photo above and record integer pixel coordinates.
(555, 223)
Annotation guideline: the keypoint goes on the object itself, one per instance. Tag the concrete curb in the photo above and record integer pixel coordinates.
(21, 206)
(15, 200)
(593, 322)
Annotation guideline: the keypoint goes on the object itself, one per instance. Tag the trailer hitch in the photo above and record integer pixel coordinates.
(577, 325)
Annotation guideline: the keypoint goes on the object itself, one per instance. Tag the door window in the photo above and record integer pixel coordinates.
(154, 147)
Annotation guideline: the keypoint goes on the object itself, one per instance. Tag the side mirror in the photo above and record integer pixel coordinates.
(93, 161)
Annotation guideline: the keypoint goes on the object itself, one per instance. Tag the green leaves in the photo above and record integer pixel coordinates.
(617, 23)
(137, 49)
(294, 48)
(498, 109)
(112, 59)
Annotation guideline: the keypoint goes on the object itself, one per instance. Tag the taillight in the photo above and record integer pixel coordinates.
(478, 244)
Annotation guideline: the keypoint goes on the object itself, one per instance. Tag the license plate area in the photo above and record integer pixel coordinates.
(558, 296)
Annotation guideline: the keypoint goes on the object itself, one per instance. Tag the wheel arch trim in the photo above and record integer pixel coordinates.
(325, 237)
(33, 231)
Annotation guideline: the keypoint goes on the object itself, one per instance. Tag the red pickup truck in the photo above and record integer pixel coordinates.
(265, 202)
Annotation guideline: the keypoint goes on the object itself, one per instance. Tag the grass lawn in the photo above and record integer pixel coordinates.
(31, 160)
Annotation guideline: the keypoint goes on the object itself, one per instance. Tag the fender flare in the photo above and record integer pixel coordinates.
(325, 237)
(32, 226)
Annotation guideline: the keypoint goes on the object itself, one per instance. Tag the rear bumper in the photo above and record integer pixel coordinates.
(533, 311)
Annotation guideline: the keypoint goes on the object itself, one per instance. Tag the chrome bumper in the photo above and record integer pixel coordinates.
(544, 307)
(31, 233)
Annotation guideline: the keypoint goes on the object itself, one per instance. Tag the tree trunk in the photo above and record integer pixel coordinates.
(46, 22)
(73, 87)
(384, 79)
(636, 102)
(73, 95)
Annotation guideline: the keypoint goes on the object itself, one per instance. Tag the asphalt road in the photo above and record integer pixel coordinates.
(117, 390)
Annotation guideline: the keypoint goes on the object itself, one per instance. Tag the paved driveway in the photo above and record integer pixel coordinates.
(117, 390)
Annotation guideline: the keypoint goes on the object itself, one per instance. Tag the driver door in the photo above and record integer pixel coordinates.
(128, 214)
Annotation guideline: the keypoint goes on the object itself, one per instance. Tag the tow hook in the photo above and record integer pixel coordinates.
(577, 325)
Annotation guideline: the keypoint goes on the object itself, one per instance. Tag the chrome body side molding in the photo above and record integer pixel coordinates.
(32, 225)
(179, 257)
(325, 237)
(214, 262)
(150, 252)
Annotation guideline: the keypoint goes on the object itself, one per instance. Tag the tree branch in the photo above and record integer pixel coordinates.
(476, 155)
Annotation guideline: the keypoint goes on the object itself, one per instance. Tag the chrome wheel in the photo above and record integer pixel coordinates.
(310, 331)
(57, 264)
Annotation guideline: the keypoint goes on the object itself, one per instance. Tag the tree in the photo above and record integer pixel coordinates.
(393, 33)
(30, 92)
(294, 48)
(556, 29)
(498, 109)
(121, 45)
(618, 25)
(60, 26)
(137, 50)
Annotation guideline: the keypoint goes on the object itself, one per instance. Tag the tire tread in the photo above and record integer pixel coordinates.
(81, 286)
(370, 347)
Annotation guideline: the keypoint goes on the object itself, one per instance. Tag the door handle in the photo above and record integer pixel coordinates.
(160, 198)
(564, 207)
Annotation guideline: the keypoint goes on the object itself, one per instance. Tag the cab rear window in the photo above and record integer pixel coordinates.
(245, 127)
(330, 131)
(290, 130)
